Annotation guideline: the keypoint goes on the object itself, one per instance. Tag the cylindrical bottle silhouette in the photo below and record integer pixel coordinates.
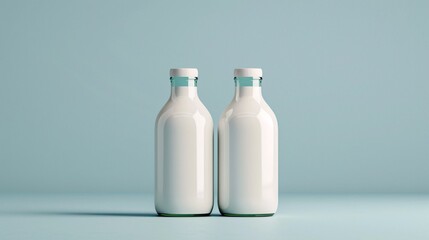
(184, 150)
(248, 150)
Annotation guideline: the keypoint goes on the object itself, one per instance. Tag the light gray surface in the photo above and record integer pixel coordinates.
(81, 83)
(132, 217)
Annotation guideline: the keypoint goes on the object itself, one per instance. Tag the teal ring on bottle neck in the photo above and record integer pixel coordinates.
(183, 81)
(247, 82)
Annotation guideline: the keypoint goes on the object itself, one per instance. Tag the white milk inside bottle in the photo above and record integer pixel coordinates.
(184, 150)
(248, 150)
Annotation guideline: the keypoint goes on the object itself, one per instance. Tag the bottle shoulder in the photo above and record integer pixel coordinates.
(248, 109)
(184, 108)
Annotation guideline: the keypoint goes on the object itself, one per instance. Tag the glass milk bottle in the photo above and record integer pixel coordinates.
(248, 150)
(184, 150)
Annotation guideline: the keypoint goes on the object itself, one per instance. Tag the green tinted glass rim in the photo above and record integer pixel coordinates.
(248, 215)
(247, 82)
(183, 215)
(183, 82)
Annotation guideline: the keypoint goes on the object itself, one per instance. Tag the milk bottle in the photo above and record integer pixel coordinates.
(248, 150)
(184, 150)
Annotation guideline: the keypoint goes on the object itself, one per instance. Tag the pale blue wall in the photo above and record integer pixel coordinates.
(81, 83)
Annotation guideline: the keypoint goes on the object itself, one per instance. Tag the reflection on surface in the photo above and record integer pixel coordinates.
(82, 213)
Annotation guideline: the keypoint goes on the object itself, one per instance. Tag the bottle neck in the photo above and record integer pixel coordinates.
(248, 87)
(183, 87)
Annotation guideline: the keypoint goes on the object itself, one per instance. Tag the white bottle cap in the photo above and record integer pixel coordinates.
(184, 72)
(248, 72)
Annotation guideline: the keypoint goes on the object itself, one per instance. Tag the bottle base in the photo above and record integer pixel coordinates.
(183, 215)
(247, 215)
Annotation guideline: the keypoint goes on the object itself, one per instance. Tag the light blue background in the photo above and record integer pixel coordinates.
(81, 83)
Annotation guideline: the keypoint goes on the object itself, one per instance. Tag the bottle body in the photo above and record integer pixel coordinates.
(184, 154)
(248, 154)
